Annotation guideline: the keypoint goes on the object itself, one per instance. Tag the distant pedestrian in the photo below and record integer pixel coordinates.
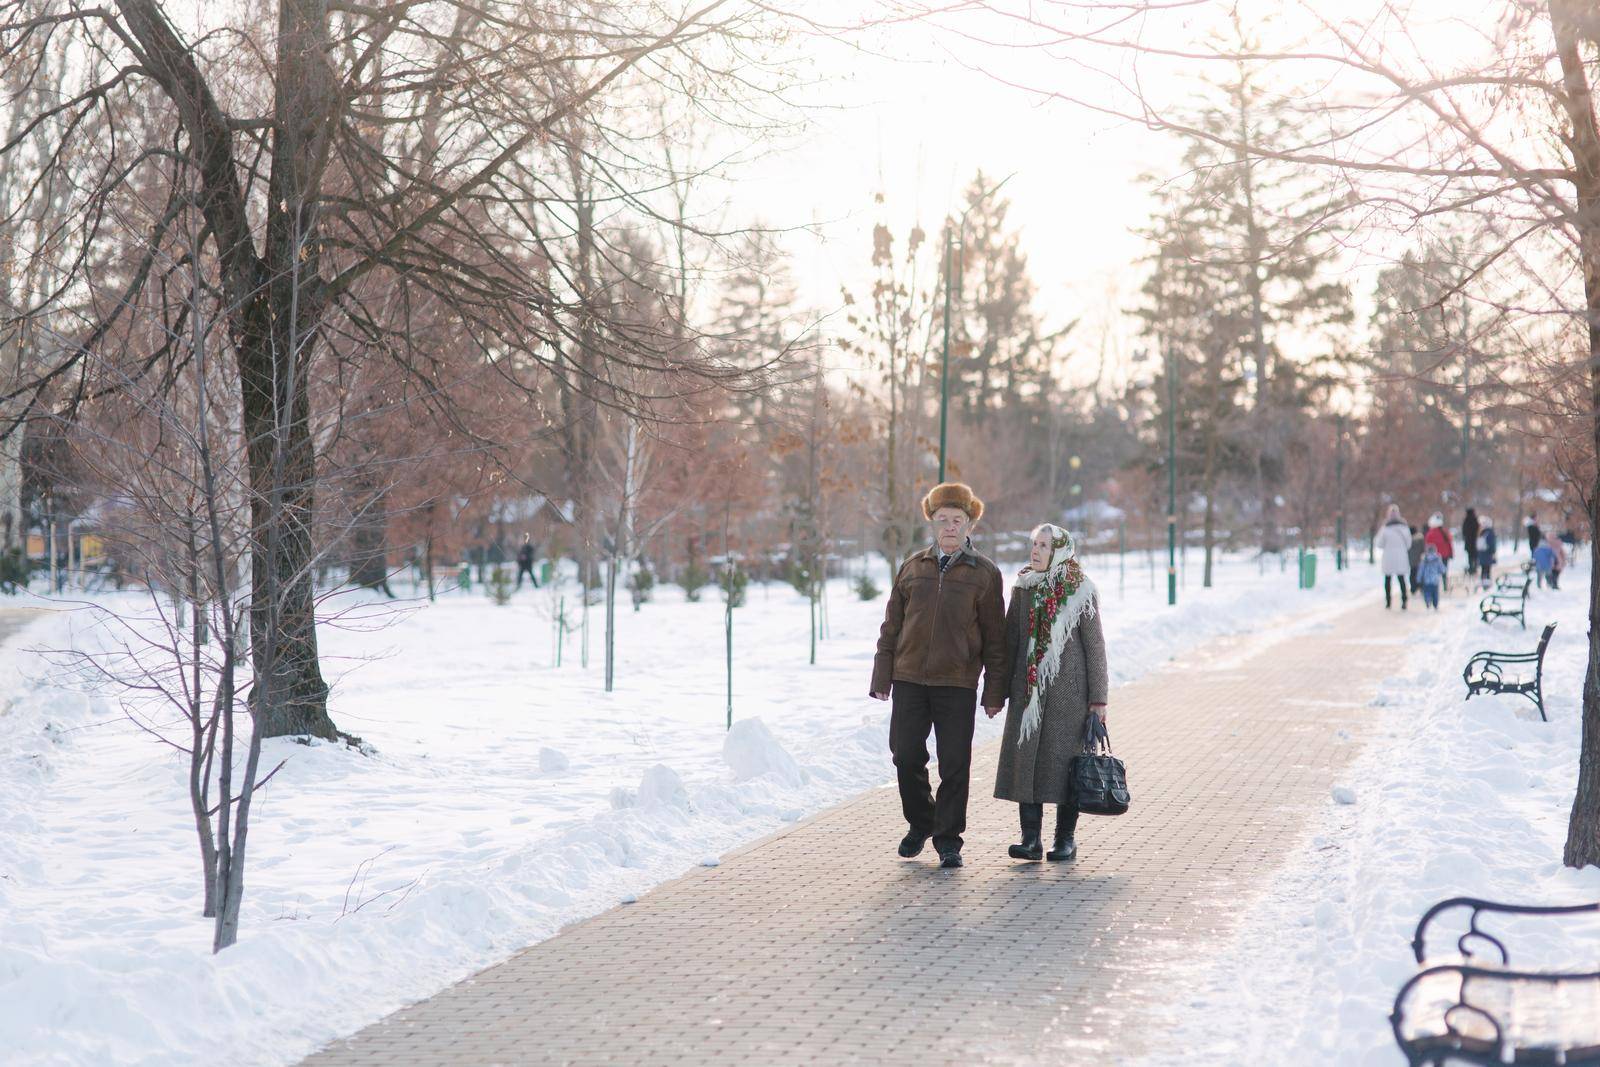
(1430, 572)
(1395, 541)
(1535, 535)
(1560, 551)
(1469, 540)
(1414, 554)
(1488, 545)
(525, 556)
(1544, 563)
(945, 622)
(1439, 537)
(1057, 652)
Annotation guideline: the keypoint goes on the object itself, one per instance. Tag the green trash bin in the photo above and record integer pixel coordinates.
(464, 575)
(1308, 569)
(546, 569)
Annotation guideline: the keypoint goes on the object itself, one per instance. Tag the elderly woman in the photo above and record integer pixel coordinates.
(1058, 678)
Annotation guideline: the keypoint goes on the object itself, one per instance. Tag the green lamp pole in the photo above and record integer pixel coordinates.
(1172, 482)
(944, 373)
(951, 281)
(1338, 476)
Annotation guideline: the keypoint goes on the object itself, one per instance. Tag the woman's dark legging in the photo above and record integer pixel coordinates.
(1388, 597)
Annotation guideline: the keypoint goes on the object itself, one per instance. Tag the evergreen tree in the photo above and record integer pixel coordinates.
(1270, 229)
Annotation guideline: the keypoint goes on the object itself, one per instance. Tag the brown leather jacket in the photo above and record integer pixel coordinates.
(941, 629)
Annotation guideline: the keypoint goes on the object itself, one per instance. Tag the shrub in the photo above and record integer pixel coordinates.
(13, 570)
(499, 586)
(866, 588)
(799, 576)
(641, 583)
(693, 578)
(733, 583)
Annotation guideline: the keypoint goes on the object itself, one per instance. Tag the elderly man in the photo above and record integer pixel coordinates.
(945, 622)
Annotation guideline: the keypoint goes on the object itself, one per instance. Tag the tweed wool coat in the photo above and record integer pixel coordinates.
(1037, 771)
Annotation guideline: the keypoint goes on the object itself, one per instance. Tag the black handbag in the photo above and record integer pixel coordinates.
(1099, 780)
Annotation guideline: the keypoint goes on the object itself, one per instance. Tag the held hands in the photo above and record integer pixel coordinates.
(991, 712)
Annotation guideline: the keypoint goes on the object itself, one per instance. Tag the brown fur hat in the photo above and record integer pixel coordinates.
(952, 495)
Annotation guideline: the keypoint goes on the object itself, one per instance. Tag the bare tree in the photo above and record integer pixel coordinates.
(353, 163)
(169, 455)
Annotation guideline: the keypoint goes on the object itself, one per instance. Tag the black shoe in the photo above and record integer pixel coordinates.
(1066, 848)
(1031, 848)
(912, 844)
(950, 857)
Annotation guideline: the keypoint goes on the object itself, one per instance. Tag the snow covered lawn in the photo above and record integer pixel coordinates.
(503, 798)
(1450, 798)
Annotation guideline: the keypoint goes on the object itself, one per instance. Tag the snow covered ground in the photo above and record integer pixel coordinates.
(1450, 798)
(502, 799)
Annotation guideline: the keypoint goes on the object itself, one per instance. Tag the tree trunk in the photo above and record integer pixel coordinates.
(289, 696)
(1583, 829)
(275, 298)
(427, 565)
(369, 555)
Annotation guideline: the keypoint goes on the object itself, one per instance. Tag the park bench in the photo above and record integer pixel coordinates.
(1474, 1008)
(1509, 600)
(1508, 672)
(1514, 580)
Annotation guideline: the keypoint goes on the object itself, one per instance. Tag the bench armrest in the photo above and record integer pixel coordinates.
(1503, 657)
(1480, 906)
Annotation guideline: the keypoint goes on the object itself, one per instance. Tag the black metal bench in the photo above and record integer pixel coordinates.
(1509, 600)
(1479, 1010)
(1507, 672)
(1514, 581)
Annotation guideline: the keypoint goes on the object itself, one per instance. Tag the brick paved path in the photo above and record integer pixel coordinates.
(820, 946)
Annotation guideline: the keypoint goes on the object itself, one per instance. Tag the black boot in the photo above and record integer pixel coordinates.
(1032, 848)
(1066, 825)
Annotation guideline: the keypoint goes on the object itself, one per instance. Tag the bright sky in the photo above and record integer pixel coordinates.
(919, 119)
(918, 127)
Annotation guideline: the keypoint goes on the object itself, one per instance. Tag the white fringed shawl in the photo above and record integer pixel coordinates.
(1079, 604)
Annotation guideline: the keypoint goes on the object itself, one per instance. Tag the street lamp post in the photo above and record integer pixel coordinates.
(1338, 476)
(944, 374)
(1172, 482)
(953, 240)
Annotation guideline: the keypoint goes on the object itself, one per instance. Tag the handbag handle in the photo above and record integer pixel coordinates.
(1095, 734)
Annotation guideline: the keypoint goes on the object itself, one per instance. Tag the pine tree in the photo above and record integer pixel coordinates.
(1270, 228)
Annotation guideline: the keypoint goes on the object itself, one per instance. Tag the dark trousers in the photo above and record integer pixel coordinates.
(1430, 594)
(1388, 597)
(950, 712)
(1472, 561)
(526, 568)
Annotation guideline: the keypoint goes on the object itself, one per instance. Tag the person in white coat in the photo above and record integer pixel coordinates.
(1394, 541)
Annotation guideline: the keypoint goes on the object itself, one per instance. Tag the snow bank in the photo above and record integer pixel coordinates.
(751, 751)
(1449, 798)
(501, 799)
